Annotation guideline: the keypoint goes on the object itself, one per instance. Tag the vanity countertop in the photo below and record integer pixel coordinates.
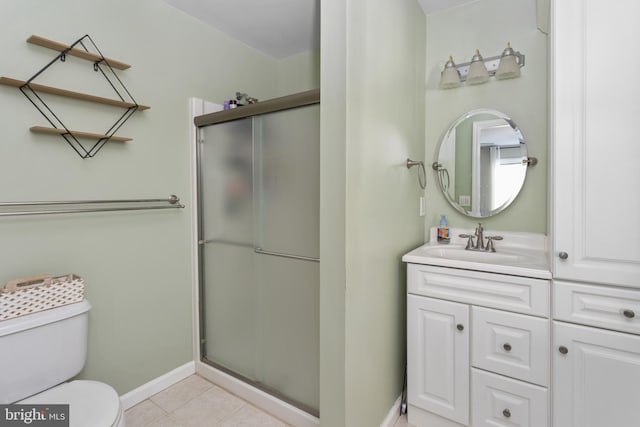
(519, 254)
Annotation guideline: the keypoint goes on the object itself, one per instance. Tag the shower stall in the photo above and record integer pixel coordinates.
(258, 234)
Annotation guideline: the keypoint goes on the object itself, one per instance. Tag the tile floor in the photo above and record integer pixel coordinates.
(402, 422)
(196, 402)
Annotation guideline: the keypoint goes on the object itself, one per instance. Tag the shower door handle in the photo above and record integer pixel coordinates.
(261, 251)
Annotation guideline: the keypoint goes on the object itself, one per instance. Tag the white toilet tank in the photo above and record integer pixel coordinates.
(41, 350)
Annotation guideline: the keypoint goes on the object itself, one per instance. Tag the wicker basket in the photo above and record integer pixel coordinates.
(32, 294)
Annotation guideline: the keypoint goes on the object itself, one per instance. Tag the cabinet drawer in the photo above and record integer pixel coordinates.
(500, 401)
(513, 293)
(511, 344)
(601, 306)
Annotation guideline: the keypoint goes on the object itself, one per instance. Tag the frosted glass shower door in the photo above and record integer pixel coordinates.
(288, 205)
(228, 287)
(259, 216)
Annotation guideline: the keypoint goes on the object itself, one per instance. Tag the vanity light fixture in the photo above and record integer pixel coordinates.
(505, 66)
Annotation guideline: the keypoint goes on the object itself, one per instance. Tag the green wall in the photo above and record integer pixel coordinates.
(372, 120)
(299, 72)
(333, 128)
(488, 25)
(137, 265)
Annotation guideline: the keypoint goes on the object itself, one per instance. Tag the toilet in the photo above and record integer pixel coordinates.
(40, 351)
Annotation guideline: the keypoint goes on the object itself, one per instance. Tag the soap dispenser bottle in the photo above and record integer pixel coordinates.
(443, 230)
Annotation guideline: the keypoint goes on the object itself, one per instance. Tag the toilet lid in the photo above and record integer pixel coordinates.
(91, 403)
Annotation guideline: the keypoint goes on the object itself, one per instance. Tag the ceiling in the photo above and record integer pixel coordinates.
(433, 6)
(278, 28)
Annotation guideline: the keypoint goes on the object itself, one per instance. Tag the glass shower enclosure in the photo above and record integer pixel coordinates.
(258, 231)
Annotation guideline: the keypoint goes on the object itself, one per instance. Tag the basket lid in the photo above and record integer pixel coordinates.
(29, 321)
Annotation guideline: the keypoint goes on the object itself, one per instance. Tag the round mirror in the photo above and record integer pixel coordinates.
(481, 163)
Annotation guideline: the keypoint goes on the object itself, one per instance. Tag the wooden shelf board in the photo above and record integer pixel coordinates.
(79, 53)
(78, 134)
(70, 94)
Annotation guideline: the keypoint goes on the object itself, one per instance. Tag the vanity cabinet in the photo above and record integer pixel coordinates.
(478, 348)
(595, 152)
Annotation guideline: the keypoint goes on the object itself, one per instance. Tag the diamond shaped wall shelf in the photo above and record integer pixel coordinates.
(83, 48)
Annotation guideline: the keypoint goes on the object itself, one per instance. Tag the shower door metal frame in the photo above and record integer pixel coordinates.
(311, 97)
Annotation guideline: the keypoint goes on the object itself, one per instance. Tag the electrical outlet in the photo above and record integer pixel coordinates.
(422, 206)
(464, 200)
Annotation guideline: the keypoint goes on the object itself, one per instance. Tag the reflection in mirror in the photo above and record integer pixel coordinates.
(481, 163)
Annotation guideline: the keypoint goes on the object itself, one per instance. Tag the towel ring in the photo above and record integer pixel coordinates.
(422, 173)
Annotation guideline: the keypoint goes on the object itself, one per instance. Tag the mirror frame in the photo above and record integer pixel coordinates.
(529, 161)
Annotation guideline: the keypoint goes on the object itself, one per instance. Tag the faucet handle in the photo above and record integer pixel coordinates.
(469, 241)
(490, 240)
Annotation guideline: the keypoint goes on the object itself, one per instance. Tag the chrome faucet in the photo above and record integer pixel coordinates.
(479, 245)
(479, 238)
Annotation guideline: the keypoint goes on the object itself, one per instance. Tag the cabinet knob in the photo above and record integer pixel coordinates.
(563, 350)
(629, 313)
(460, 326)
(506, 413)
(563, 255)
(506, 346)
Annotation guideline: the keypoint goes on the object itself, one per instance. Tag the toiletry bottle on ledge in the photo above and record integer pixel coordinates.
(443, 230)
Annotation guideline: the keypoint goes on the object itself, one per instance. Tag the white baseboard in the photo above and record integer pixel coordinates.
(156, 385)
(393, 414)
(286, 412)
(420, 417)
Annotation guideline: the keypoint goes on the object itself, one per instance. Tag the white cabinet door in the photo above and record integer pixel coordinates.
(594, 100)
(438, 357)
(595, 377)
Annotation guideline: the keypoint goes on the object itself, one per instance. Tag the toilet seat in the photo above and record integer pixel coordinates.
(91, 403)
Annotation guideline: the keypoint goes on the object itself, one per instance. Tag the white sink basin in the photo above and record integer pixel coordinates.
(520, 254)
(460, 253)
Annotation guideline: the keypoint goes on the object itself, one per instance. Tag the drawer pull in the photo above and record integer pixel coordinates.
(563, 350)
(506, 346)
(460, 327)
(629, 313)
(563, 255)
(506, 413)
